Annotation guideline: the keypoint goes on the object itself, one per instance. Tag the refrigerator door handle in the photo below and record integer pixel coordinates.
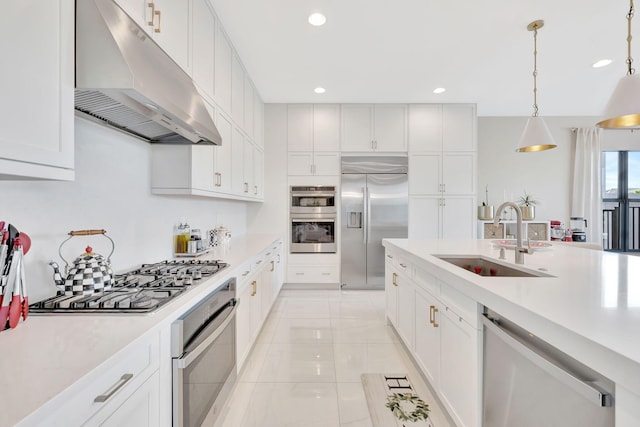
(365, 208)
(367, 218)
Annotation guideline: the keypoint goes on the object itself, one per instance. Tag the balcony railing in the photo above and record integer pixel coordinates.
(618, 236)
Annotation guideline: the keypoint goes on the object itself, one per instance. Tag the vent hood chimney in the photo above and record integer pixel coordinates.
(125, 80)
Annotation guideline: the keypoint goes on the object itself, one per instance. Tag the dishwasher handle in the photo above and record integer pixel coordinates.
(587, 389)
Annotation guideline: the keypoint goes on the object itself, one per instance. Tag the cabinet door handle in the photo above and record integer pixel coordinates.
(444, 188)
(255, 190)
(254, 284)
(245, 273)
(273, 266)
(121, 382)
(431, 314)
(246, 187)
(403, 265)
(395, 278)
(157, 29)
(153, 13)
(433, 320)
(218, 179)
(444, 202)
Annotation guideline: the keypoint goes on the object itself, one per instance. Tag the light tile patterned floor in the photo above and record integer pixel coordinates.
(304, 369)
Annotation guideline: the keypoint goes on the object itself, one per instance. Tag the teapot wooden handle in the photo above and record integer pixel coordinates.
(86, 232)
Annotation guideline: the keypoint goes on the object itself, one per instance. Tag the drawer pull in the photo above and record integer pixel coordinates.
(254, 284)
(299, 274)
(395, 279)
(389, 256)
(258, 262)
(273, 266)
(432, 315)
(326, 274)
(121, 382)
(245, 273)
(403, 265)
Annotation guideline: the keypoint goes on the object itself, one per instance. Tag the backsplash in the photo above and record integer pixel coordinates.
(112, 192)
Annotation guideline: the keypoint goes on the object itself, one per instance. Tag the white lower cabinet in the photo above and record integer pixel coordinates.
(126, 392)
(442, 334)
(313, 274)
(140, 409)
(432, 217)
(258, 284)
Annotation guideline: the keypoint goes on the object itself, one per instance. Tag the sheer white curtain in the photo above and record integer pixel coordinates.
(587, 198)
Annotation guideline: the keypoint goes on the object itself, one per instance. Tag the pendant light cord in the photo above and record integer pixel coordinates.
(535, 71)
(630, 70)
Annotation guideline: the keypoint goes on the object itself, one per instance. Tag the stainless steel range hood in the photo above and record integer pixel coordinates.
(124, 79)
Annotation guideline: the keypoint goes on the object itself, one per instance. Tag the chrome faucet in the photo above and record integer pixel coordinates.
(519, 250)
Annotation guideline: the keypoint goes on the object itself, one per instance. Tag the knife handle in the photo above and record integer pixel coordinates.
(86, 232)
(14, 311)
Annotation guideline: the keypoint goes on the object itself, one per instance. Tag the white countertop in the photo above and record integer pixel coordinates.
(45, 355)
(590, 308)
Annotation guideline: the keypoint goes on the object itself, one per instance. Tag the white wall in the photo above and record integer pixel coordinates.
(546, 175)
(111, 191)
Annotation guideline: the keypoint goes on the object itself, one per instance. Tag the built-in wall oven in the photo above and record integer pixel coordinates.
(203, 349)
(313, 219)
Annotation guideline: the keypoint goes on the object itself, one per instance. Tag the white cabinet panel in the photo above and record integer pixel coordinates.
(459, 127)
(142, 408)
(300, 127)
(203, 42)
(37, 83)
(424, 217)
(248, 107)
(390, 127)
(313, 274)
(222, 154)
(326, 127)
(459, 376)
(243, 325)
(379, 127)
(300, 163)
(237, 162)
(356, 127)
(406, 307)
(441, 217)
(391, 293)
(425, 171)
(427, 336)
(326, 164)
(223, 54)
(247, 167)
(258, 120)
(237, 91)
(458, 218)
(425, 127)
(458, 173)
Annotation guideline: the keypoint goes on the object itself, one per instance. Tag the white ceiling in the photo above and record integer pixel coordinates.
(399, 51)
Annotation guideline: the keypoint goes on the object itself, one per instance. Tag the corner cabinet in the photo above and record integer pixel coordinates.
(37, 87)
(440, 328)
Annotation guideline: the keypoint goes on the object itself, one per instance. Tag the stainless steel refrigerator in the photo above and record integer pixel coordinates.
(373, 206)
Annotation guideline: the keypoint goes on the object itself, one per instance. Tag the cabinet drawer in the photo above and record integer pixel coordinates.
(112, 384)
(313, 274)
(400, 263)
(461, 304)
(426, 281)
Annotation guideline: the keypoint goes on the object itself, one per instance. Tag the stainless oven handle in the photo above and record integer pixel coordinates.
(586, 389)
(313, 219)
(312, 194)
(186, 359)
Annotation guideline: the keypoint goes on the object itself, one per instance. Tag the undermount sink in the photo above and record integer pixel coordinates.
(487, 267)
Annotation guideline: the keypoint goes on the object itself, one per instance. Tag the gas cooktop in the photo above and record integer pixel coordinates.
(142, 290)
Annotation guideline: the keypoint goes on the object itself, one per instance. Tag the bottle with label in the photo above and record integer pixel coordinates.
(182, 236)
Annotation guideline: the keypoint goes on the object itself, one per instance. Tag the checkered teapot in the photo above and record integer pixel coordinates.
(90, 272)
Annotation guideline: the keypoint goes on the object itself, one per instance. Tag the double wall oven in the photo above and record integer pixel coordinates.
(313, 219)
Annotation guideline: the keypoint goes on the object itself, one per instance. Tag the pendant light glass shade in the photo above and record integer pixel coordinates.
(536, 136)
(623, 109)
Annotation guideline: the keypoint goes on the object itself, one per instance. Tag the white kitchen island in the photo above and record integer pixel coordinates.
(589, 308)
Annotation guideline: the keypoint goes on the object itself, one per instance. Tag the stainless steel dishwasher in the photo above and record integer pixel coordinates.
(528, 383)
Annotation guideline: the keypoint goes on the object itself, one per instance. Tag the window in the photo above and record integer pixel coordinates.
(621, 200)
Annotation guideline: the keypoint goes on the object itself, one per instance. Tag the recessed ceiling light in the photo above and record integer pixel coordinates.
(319, 90)
(316, 19)
(439, 90)
(601, 63)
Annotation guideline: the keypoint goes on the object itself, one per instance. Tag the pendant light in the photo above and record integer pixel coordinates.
(536, 135)
(623, 109)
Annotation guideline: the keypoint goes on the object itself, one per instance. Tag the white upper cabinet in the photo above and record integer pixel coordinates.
(203, 42)
(313, 139)
(36, 87)
(168, 22)
(442, 127)
(222, 154)
(258, 119)
(248, 107)
(374, 128)
(222, 69)
(237, 91)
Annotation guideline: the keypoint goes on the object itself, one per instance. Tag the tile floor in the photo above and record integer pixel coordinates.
(304, 369)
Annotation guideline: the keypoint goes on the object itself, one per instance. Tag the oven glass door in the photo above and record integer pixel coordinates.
(313, 235)
(202, 382)
(305, 201)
